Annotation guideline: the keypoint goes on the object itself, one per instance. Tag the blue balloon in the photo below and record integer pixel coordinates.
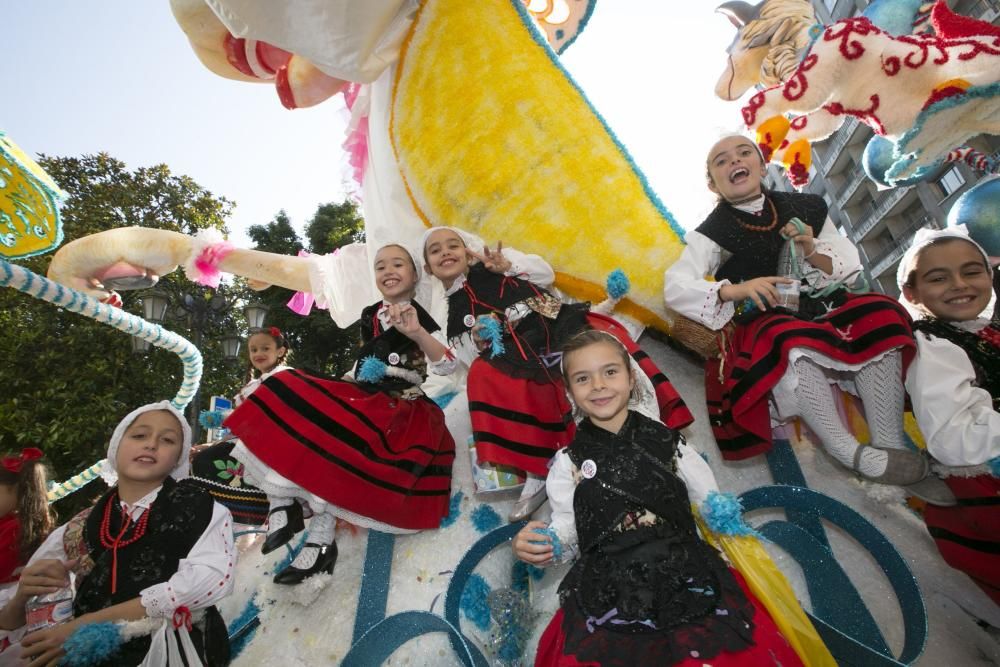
(879, 157)
(979, 210)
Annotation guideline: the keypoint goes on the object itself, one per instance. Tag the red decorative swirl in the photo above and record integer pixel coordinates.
(866, 116)
(891, 65)
(753, 105)
(799, 122)
(797, 83)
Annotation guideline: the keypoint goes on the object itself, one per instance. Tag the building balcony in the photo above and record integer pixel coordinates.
(874, 212)
(885, 257)
(852, 185)
(837, 142)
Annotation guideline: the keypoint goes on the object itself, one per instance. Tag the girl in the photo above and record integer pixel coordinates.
(954, 386)
(520, 416)
(374, 451)
(214, 467)
(645, 589)
(25, 518)
(780, 364)
(153, 547)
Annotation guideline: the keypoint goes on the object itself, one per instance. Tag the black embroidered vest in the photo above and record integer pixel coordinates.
(381, 344)
(755, 254)
(984, 355)
(535, 336)
(177, 519)
(640, 553)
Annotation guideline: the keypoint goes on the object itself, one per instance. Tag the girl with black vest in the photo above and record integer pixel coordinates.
(645, 589)
(372, 449)
(776, 364)
(954, 386)
(155, 552)
(517, 403)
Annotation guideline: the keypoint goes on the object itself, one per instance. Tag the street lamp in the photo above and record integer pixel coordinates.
(200, 313)
(255, 314)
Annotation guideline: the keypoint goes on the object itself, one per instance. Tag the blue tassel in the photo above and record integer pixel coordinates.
(371, 370)
(723, 514)
(557, 550)
(454, 509)
(618, 284)
(475, 603)
(493, 333)
(485, 519)
(211, 419)
(91, 644)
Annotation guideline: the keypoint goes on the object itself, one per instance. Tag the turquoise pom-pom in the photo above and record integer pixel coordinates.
(91, 644)
(371, 369)
(557, 550)
(211, 418)
(491, 332)
(724, 515)
(454, 509)
(475, 603)
(485, 518)
(618, 284)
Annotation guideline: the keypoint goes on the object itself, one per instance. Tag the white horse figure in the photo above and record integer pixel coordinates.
(926, 93)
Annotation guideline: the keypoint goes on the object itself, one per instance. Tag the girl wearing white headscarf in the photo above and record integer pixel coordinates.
(371, 449)
(154, 554)
(954, 386)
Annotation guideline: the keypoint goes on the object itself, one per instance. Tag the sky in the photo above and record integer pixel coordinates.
(118, 76)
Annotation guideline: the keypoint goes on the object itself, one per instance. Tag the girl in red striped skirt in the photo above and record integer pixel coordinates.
(954, 386)
(776, 364)
(372, 450)
(517, 404)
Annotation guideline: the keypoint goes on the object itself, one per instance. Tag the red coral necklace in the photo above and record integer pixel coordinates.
(116, 542)
(761, 228)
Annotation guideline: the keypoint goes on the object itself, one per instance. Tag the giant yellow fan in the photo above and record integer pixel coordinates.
(29, 213)
(493, 136)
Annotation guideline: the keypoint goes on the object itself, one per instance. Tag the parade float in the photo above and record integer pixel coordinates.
(523, 155)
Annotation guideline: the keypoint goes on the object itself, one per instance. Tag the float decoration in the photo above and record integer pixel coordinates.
(29, 198)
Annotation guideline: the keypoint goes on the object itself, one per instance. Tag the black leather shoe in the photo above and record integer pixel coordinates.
(281, 537)
(325, 561)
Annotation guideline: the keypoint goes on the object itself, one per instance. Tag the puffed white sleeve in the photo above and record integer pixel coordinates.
(532, 268)
(52, 548)
(343, 282)
(204, 577)
(686, 290)
(840, 250)
(560, 485)
(448, 363)
(696, 473)
(956, 418)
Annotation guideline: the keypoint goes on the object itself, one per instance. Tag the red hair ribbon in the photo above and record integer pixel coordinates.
(275, 331)
(14, 463)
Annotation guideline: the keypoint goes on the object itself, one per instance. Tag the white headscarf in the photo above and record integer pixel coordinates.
(471, 241)
(922, 239)
(418, 263)
(109, 471)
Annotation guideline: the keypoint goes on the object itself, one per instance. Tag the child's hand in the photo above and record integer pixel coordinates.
(43, 577)
(45, 647)
(532, 547)
(404, 318)
(759, 290)
(493, 260)
(807, 243)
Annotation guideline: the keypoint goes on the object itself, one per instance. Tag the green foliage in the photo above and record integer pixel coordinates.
(318, 345)
(68, 380)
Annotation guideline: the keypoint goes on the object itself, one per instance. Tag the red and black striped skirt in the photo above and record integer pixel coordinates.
(737, 386)
(382, 457)
(968, 535)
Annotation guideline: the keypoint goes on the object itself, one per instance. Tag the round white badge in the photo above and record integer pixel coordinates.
(469, 321)
(588, 469)
(393, 358)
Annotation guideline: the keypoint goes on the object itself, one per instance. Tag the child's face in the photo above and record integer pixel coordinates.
(395, 276)
(264, 351)
(8, 498)
(735, 169)
(150, 448)
(600, 381)
(951, 281)
(445, 255)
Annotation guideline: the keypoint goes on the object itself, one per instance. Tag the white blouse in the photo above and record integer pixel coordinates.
(462, 351)
(564, 476)
(203, 578)
(687, 291)
(956, 418)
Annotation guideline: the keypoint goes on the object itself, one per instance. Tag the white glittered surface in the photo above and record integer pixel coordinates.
(312, 624)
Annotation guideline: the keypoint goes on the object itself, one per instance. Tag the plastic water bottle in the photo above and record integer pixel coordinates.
(44, 611)
(788, 267)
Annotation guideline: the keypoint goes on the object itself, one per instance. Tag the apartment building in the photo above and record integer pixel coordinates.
(882, 222)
